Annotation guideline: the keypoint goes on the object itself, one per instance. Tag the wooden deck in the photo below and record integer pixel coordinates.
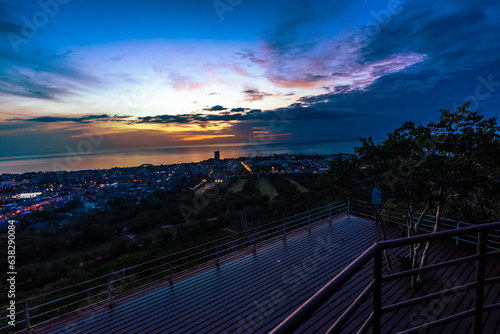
(252, 293)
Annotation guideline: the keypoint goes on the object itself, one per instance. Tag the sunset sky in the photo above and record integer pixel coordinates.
(150, 73)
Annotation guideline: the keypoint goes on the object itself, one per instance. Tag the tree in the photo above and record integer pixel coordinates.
(466, 163)
(346, 179)
(400, 161)
(428, 166)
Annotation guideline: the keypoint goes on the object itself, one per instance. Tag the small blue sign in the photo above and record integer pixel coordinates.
(376, 196)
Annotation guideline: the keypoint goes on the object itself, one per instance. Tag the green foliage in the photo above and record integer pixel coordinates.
(456, 158)
(347, 179)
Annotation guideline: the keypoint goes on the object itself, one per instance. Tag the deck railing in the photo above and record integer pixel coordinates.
(102, 292)
(374, 288)
(399, 217)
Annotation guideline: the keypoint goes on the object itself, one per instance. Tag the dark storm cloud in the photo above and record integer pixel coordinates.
(165, 119)
(238, 109)
(215, 108)
(386, 87)
(83, 119)
(399, 97)
(465, 35)
(295, 112)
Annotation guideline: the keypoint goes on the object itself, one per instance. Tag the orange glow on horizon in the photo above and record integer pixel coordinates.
(202, 137)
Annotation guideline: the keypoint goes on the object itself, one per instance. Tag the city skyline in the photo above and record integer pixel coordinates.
(142, 75)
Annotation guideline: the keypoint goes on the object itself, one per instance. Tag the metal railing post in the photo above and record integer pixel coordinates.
(27, 317)
(377, 292)
(254, 248)
(284, 230)
(456, 238)
(330, 213)
(348, 209)
(482, 240)
(217, 262)
(309, 218)
(170, 273)
(110, 293)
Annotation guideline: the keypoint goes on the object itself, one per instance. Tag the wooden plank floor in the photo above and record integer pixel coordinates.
(252, 293)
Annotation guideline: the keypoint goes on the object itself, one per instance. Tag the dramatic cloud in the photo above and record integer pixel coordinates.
(326, 70)
(292, 61)
(459, 38)
(254, 94)
(295, 112)
(418, 36)
(13, 82)
(238, 109)
(83, 119)
(215, 108)
(43, 76)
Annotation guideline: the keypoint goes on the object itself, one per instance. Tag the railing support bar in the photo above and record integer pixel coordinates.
(170, 273)
(284, 230)
(480, 278)
(377, 292)
(217, 262)
(348, 209)
(110, 293)
(344, 318)
(254, 247)
(27, 317)
(366, 325)
(424, 328)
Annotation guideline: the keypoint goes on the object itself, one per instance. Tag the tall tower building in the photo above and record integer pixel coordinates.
(216, 155)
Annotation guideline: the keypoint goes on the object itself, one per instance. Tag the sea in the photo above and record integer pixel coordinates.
(165, 155)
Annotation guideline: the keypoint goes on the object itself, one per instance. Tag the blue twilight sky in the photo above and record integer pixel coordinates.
(153, 73)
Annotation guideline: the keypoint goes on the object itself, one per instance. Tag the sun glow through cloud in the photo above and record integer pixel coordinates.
(203, 137)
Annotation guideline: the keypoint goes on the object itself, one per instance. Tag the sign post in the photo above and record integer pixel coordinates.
(376, 196)
(376, 200)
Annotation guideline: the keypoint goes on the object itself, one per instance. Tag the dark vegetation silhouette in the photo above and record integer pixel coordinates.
(449, 167)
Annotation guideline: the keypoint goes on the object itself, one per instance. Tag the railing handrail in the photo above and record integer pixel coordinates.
(427, 223)
(437, 235)
(298, 317)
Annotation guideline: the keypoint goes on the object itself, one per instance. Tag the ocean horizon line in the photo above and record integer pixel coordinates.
(164, 155)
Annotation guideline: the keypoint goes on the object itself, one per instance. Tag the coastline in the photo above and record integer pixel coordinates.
(169, 155)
